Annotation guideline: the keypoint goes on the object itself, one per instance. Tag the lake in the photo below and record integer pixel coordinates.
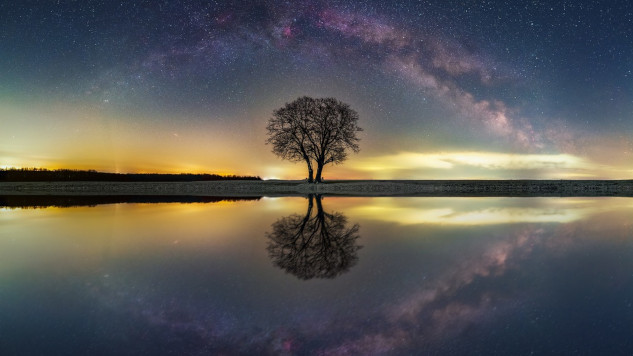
(325, 276)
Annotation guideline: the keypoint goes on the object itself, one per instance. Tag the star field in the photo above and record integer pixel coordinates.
(540, 77)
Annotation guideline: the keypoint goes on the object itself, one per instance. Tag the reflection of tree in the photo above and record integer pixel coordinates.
(317, 245)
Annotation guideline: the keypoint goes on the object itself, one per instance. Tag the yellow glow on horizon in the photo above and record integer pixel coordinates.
(487, 160)
(487, 165)
(68, 137)
(65, 136)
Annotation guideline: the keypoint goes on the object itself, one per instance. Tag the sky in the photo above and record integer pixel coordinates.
(444, 89)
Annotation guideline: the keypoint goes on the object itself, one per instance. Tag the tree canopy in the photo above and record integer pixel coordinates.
(317, 131)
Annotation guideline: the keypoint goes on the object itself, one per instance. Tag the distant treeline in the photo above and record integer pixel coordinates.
(70, 175)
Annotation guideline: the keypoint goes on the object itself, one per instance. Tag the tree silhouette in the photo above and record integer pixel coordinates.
(316, 131)
(317, 245)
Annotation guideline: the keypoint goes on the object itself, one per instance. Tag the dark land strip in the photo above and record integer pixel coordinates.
(361, 188)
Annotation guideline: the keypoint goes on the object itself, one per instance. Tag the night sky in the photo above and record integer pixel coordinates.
(444, 89)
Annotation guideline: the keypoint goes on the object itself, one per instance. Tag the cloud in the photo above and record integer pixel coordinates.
(484, 160)
(486, 165)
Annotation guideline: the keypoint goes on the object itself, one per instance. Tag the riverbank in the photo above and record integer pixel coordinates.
(535, 188)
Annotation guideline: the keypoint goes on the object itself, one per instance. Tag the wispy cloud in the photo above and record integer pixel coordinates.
(485, 165)
(485, 160)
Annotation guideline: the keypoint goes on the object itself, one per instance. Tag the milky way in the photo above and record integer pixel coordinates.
(544, 77)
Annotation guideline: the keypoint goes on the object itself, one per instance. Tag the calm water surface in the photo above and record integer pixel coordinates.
(331, 276)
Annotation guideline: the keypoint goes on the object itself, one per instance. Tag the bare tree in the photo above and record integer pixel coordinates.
(317, 131)
(317, 245)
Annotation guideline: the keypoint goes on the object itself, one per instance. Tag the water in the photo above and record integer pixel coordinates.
(337, 276)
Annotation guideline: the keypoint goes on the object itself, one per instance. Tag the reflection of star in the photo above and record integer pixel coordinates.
(442, 307)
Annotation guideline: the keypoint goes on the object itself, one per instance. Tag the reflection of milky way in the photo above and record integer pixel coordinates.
(180, 325)
(440, 308)
(441, 311)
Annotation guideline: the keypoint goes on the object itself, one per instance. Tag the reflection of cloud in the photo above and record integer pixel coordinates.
(438, 309)
(495, 212)
(470, 288)
(489, 216)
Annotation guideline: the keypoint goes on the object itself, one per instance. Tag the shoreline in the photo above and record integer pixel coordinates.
(352, 188)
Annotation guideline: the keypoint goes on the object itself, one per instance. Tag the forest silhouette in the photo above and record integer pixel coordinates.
(71, 175)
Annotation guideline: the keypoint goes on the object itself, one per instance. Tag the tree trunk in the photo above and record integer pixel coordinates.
(318, 172)
(310, 172)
